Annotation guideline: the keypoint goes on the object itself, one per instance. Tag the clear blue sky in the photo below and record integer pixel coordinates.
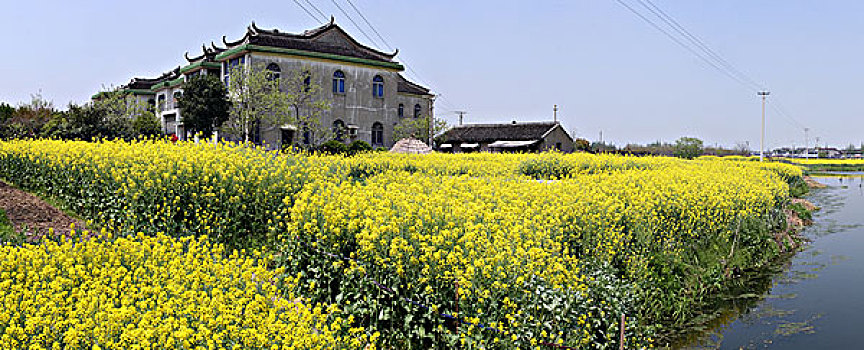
(500, 60)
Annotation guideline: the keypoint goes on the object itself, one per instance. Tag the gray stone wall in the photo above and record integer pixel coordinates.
(356, 106)
(554, 138)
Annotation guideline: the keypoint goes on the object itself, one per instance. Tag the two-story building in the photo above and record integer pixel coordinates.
(367, 94)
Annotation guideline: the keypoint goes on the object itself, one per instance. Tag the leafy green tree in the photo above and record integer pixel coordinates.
(28, 119)
(359, 146)
(688, 147)
(581, 145)
(334, 147)
(84, 122)
(602, 147)
(419, 128)
(205, 105)
(6, 112)
(255, 97)
(118, 110)
(304, 98)
(146, 124)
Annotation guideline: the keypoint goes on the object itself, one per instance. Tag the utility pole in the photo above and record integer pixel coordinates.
(764, 95)
(601, 136)
(430, 120)
(806, 143)
(555, 113)
(816, 146)
(461, 115)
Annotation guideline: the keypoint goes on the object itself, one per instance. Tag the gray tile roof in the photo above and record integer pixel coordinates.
(405, 86)
(315, 40)
(486, 133)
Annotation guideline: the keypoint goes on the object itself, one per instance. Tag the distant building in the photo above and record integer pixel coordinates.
(367, 91)
(507, 137)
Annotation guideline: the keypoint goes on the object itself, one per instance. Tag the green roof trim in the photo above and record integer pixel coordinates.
(199, 64)
(139, 91)
(166, 84)
(130, 91)
(301, 53)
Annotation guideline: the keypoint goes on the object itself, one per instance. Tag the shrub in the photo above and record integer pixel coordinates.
(359, 146)
(334, 147)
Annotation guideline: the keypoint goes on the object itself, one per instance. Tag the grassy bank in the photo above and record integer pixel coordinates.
(446, 251)
(813, 165)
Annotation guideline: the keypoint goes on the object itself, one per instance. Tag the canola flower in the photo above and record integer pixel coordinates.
(541, 248)
(820, 161)
(154, 292)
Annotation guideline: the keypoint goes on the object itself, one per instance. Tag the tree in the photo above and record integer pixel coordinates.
(83, 122)
(581, 145)
(118, 110)
(419, 128)
(688, 147)
(359, 146)
(743, 148)
(146, 124)
(205, 104)
(255, 98)
(334, 147)
(304, 98)
(28, 119)
(602, 147)
(6, 112)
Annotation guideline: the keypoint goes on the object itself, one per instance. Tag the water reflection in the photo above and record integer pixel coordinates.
(814, 300)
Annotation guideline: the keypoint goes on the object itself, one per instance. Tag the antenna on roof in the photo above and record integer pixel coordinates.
(332, 19)
(555, 113)
(461, 115)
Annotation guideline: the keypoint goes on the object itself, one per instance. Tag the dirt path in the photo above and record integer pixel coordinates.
(32, 215)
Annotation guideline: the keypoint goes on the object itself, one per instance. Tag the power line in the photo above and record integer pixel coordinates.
(316, 19)
(671, 22)
(369, 24)
(404, 61)
(707, 54)
(682, 44)
(316, 9)
(354, 23)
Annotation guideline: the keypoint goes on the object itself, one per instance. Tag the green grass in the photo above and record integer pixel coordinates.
(8, 234)
(834, 167)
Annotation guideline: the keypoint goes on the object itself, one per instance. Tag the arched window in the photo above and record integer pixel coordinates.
(338, 82)
(273, 72)
(339, 130)
(401, 111)
(378, 86)
(307, 81)
(377, 134)
(417, 110)
(307, 136)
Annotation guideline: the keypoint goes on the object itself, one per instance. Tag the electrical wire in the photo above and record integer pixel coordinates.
(370, 25)
(317, 10)
(405, 63)
(682, 44)
(355, 23)
(704, 53)
(699, 43)
(307, 12)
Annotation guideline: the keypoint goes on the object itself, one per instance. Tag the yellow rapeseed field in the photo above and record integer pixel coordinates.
(158, 292)
(441, 250)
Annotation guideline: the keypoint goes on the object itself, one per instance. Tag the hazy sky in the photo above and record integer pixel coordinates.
(500, 60)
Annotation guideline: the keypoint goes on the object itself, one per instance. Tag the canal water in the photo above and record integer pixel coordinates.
(817, 301)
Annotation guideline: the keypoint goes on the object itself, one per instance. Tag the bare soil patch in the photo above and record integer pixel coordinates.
(813, 183)
(32, 215)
